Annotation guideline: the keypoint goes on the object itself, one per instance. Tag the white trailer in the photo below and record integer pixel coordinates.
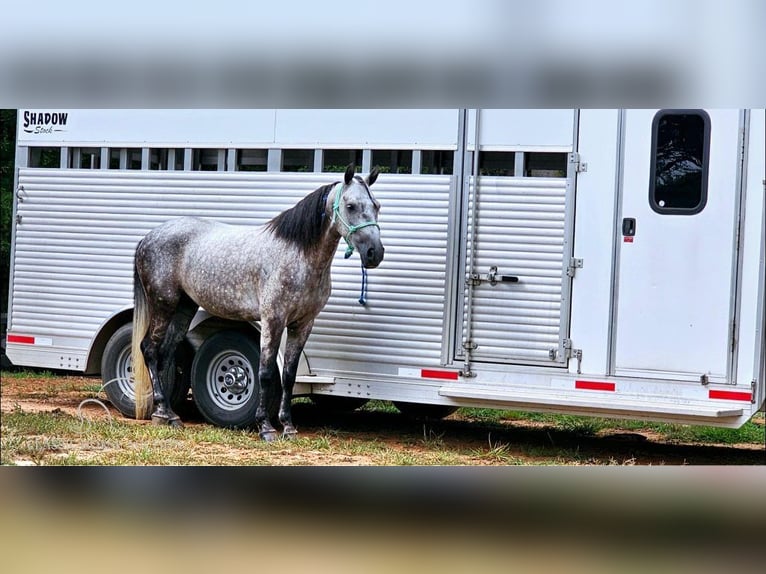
(595, 262)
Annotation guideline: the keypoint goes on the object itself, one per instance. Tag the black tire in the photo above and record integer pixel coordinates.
(224, 380)
(116, 373)
(338, 404)
(424, 412)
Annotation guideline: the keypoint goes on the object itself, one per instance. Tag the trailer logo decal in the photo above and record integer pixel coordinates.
(730, 395)
(44, 122)
(594, 386)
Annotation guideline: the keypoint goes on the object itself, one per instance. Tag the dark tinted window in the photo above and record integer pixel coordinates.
(680, 148)
(545, 164)
(298, 160)
(498, 163)
(437, 161)
(252, 159)
(44, 156)
(336, 160)
(392, 161)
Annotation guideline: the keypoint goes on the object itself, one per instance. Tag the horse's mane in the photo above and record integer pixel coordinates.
(303, 223)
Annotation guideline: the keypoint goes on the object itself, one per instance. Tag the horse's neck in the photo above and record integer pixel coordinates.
(327, 247)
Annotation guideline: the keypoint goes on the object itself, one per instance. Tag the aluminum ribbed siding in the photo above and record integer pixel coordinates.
(403, 321)
(78, 231)
(79, 228)
(520, 229)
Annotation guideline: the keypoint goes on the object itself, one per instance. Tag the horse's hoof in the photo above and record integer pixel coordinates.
(290, 434)
(269, 436)
(165, 420)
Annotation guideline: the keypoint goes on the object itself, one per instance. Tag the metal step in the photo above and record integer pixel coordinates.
(597, 403)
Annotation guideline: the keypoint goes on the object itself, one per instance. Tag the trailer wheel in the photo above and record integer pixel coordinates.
(224, 380)
(338, 404)
(421, 411)
(117, 373)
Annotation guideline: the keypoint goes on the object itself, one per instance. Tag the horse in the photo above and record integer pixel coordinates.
(278, 274)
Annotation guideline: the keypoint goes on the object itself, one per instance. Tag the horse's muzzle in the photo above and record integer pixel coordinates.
(372, 256)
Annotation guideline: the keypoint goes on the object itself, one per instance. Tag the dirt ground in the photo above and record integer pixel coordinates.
(523, 442)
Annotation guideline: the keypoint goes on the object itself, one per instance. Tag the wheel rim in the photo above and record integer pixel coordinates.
(230, 381)
(124, 373)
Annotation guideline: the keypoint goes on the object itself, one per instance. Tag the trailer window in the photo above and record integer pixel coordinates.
(84, 158)
(393, 161)
(497, 163)
(164, 158)
(44, 156)
(545, 164)
(114, 158)
(125, 158)
(336, 160)
(158, 159)
(679, 168)
(298, 160)
(437, 162)
(252, 159)
(205, 159)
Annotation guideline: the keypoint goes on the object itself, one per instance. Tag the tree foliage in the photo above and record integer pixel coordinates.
(7, 155)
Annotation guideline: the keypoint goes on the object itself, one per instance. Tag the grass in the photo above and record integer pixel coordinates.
(55, 437)
(752, 432)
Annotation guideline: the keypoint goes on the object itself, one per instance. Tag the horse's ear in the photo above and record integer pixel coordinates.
(350, 173)
(373, 176)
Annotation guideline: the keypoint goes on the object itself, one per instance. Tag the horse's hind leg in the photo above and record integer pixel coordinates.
(296, 339)
(166, 330)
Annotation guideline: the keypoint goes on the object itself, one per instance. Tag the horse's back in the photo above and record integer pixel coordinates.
(163, 250)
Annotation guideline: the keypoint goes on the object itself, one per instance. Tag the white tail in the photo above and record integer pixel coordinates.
(142, 382)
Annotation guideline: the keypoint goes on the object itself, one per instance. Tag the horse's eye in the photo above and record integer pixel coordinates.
(351, 207)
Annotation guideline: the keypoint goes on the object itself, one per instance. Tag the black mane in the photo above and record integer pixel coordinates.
(303, 223)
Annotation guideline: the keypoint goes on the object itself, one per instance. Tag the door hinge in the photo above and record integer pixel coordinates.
(569, 353)
(574, 264)
(579, 165)
(470, 345)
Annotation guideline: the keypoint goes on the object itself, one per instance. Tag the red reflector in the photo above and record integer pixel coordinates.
(730, 395)
(594, 385)
(21, 339)
(431, 374)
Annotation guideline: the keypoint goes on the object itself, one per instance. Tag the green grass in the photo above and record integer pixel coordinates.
(54, 437)
(27, 373)
(752, 432)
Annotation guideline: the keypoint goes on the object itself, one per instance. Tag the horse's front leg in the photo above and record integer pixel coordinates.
(268, 372)
(296, 340)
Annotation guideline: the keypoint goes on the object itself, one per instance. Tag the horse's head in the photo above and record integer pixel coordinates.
(355, 216)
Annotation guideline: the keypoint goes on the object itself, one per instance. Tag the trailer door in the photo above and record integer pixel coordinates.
(516, 283)
(676, 244)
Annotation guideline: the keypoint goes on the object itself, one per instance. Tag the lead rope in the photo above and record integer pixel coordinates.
(363, 294)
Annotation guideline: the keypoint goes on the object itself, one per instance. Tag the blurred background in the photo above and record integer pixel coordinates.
(393, 53)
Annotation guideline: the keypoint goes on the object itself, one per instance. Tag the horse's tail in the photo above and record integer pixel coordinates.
(142, 382)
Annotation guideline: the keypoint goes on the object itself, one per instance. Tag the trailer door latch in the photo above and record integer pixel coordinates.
(492, 278)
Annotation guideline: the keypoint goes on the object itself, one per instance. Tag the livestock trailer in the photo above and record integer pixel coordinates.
(594, 262)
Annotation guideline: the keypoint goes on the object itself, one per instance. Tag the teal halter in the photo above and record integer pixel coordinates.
(351, 228)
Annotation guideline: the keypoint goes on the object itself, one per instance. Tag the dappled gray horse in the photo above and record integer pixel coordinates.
(278, 273)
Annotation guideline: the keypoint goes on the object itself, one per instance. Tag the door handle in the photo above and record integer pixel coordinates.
(628, 226)
(492, 277)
